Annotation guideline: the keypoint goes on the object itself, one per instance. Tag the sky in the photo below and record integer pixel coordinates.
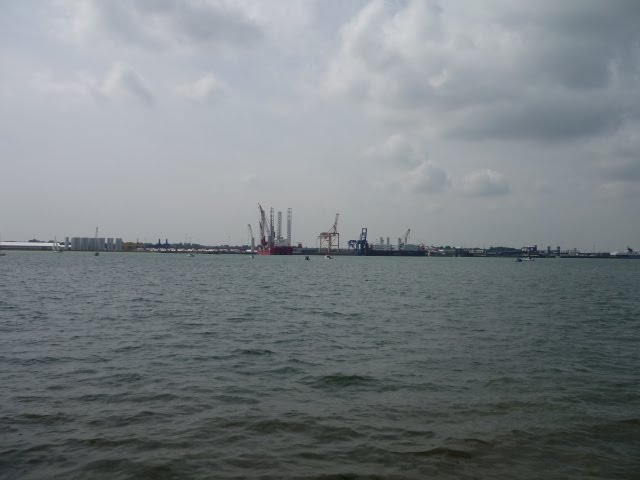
(470, 122)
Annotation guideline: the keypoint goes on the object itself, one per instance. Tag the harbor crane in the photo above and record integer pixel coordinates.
(330, 238)
(265, 229)
(403, 242)
(252, 240)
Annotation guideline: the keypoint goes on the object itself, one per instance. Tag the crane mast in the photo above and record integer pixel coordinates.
(264, 227)
(252, 240)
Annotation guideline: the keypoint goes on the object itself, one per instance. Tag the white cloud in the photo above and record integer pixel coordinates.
(485, 183)
(206, 89)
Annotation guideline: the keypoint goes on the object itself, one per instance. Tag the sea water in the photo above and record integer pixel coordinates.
(133, 365)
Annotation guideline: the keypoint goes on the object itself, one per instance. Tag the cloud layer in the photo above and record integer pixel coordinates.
(493, 69)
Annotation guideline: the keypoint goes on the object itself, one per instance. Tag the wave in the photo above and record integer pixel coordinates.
(253, 351)
(442, 452)
(339, 380)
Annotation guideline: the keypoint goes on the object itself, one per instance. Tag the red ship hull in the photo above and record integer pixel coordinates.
(276, 250)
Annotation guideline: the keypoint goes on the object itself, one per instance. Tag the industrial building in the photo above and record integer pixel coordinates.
(94, 244)
(87, 244)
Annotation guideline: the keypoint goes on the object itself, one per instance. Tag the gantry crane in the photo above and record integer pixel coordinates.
(330, 238)
(361, 246)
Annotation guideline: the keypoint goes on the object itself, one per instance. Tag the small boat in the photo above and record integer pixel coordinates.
(328, 256)
(191, 255)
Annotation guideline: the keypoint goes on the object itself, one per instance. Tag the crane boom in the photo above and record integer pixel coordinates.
(334, 229)
(252, 240)
(264, 227)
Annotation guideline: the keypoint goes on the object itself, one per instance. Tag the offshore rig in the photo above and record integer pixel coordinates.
(271, 240)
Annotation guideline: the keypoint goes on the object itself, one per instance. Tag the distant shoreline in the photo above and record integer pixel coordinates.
(453, 253)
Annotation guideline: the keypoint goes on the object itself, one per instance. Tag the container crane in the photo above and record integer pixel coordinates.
(361, 245)
(330, 238)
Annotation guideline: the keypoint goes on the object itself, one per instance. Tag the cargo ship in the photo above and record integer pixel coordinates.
(276, 250)
(271, 240)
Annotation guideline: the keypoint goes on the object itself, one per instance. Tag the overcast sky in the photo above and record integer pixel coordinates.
(475, 123)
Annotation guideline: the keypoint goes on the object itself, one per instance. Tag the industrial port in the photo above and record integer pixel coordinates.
(274, 240)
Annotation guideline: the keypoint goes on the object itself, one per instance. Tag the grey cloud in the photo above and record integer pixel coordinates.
(405, 157)
(166, 24)
(124, 80)
(620, 190)
(576, 43)
(526, 70)
(544, 187)
(397, 151)
(618, 158)
(484, 183)
(79, 87)
(542, 117)
(206, 89)
(428, 178)
(621, 170)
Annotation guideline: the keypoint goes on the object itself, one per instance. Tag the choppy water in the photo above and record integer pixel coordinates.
(157, 366)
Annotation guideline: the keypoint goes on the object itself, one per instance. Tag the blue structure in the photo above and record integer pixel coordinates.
(361, 246)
